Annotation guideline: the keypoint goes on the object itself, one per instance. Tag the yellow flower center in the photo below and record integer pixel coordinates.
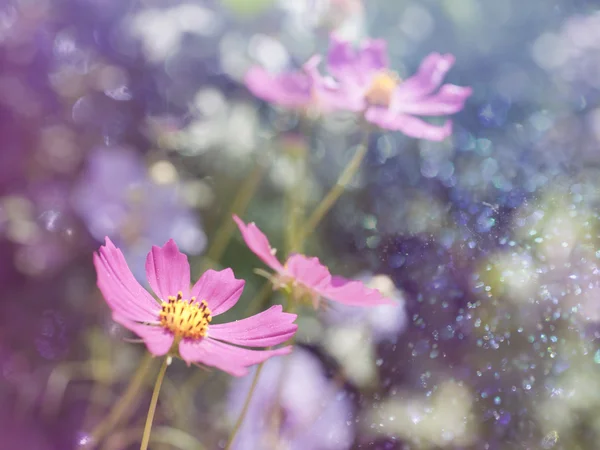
(185, 318)
(382, 87)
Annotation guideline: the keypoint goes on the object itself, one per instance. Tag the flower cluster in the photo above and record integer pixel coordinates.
(360, 81)
(177, 321)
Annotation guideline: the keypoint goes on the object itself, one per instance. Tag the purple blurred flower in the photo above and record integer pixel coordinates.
(360, 81)
(117, 198)
(312, 413)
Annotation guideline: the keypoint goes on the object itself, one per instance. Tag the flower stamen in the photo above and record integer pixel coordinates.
(382, 87)
(185, 318)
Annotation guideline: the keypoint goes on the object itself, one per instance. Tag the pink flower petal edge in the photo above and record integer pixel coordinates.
(120, 289)
(258, 243)
(168, 271)
(429, 76)
(309, 271)
(356, 293)
(409, 125)
(158, 340)
(168, 274)
(220, 289)
(264, 329)
(289, 89)
(228, 358)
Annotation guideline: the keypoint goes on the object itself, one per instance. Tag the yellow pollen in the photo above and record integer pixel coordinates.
(382, 87)
(185, 318)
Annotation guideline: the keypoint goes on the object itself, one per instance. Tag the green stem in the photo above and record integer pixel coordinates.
(242, 416)
(336, 191)
(153, 403)
(296, 199)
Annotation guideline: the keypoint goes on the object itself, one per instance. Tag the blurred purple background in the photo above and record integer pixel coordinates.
(130, 119)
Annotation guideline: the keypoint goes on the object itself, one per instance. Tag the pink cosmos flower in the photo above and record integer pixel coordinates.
(306, 277)
(360, 81)
(181, 318)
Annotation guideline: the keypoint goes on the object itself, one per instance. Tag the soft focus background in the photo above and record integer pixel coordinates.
(130, 119)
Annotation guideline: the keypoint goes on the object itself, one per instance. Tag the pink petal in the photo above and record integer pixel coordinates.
(356, 67)
(228, 358)
(429, 77)
(448, 100)
(122, 292)
(168, 271)
(341, 59)
(351, 292)
(372, 55)
(329, 95)
(157, 339)
(220, 289)
(292, 89)
(308, 271)
(270, 327)
(258, 243)
(409, 125)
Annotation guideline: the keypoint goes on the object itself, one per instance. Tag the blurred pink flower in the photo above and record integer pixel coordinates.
(306, 276)
(360, 81)
(179, 319)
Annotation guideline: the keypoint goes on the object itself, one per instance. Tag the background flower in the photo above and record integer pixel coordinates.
(311, 412)
(306, 276)
(360, 81)
(117, 197)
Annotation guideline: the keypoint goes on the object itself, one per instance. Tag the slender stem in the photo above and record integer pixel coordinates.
(240, 420)
(337, 190)
(120, 410)
(296, 198)
(238, 206)
(153, 403)
(260, 299)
